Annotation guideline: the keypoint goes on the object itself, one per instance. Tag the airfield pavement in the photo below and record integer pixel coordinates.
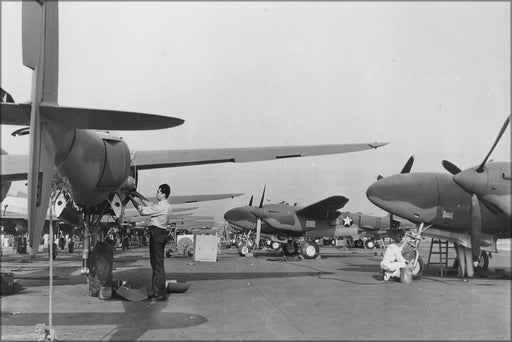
(338, 296)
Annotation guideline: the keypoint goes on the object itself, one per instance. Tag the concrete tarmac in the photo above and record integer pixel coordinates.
(338, 296)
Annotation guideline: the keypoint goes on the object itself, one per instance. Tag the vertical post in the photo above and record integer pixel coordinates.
(50, 306)
(85, 251)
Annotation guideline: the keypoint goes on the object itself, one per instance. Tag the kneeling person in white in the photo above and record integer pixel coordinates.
(393, 259)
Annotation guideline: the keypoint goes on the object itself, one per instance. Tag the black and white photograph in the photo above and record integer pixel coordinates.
(255, 170)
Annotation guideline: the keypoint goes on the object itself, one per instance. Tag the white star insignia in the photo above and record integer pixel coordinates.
(347, 221)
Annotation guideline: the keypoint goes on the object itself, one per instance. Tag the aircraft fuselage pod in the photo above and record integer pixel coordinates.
(104, 165)
(435, 199)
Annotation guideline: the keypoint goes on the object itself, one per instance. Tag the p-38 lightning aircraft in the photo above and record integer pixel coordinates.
(96, 171)
(374, 227)
(456, 215)
(291, 228)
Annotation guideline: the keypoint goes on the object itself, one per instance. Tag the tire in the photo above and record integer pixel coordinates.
(418, 270)
(359, 243)
(275, 245)
(369, 244)
(332, 242)
(290, 248)
(101, 262)
(483, 262)
(243, 249)
(168, 254)
(309, 250)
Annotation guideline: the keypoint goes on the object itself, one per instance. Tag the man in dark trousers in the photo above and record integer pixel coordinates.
(159, 215)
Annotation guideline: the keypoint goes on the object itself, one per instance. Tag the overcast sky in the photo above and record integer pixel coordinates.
(432, 78)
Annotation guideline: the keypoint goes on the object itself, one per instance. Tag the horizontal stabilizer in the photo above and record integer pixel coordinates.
(82, 118)
(175, 158)
(325, 209)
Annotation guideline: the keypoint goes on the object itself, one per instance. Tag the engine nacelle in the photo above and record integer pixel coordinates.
(99, 173)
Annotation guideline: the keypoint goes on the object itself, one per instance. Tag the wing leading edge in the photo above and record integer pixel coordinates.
(175, 158)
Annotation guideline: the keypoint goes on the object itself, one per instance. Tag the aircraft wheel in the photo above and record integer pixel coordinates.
(369, 244)
(418, 270)
(168, 254)
(275, 245)
(333, 242)
(101, 262)
(483, 261)
(243, 249)
(290, 248)
(310, 250)
(359, 243)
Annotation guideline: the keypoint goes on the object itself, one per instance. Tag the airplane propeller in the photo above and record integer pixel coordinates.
(408, 165)
(476, 214)
(505, 124)
(453, 169)
(476, 227)
(258, 221)
(450, 167)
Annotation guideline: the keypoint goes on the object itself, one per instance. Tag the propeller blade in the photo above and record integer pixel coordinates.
(476, 227)
(408, 166)
(5, 97)
(141, 196)
(420, 228)
(263, 197)
(450, 167)
(505, 124)
(250, 201)
(258, 231)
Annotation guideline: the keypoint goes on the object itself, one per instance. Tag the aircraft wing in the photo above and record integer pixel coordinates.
(142, 160)
(14, 167)
(181, 199)
(325, 209)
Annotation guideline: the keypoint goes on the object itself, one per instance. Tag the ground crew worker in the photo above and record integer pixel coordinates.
(393, 259)
(159, 215)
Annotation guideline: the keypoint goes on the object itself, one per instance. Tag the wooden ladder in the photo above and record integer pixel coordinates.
(443, 248)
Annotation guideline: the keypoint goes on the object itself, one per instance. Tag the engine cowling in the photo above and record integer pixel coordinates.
(104, 161)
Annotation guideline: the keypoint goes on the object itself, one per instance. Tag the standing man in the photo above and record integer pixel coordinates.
(159, 215)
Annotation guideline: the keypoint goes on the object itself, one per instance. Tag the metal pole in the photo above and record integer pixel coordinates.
(50, 306)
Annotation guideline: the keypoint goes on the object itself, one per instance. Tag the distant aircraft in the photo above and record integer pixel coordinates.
(374, 227)
(13, 216)
(291, 228)
(455, 215)
(96, 172)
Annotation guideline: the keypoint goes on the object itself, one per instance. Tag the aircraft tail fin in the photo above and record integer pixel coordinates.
(40, 39)
(325, 209)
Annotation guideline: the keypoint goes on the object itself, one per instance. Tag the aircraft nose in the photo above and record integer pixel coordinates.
(412, 196)
(240, 216)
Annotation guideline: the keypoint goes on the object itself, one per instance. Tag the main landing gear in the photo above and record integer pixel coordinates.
(308, 249)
